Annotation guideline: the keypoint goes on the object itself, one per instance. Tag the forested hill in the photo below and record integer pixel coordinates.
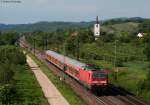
(53, 26)
(46, 26)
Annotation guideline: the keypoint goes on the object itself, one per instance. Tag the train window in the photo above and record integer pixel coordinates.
(72, 70)
(99, 75)
(65, 68)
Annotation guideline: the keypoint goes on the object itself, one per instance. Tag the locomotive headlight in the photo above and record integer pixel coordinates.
(103, 82)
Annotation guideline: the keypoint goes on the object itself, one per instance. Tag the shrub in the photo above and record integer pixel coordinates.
(8, 94)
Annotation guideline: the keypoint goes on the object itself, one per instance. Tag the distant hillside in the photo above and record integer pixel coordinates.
(46, 26)
(3, 26)
(122, 27)
(53, 26)
(123, 20)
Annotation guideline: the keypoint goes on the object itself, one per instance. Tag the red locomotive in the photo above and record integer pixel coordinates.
(88, 75)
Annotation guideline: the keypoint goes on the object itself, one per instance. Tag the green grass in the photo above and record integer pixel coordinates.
(131, 74)
(129, 26)
(65, 89)
(29, 88)
(130, 78)
(123, 27)
(103, 64)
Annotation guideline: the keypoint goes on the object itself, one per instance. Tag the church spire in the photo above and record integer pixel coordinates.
(96, 29)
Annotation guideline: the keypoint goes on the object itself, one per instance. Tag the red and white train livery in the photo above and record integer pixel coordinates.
(88, 75)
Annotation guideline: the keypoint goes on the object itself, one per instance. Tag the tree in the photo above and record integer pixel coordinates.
(9, 95)
(147, 48)
(100, 42)
(86, 36)
(10, 37)
(146, 83)
(109, 37)
(10, 55)
(145, 26)
(6, 73)
(70, 45)
(125, 37)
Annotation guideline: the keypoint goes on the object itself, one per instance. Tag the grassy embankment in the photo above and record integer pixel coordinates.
(65, 89)
(29, 88)
(129, 77)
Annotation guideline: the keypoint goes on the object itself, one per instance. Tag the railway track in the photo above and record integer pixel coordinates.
(127, 97)
(111, 96)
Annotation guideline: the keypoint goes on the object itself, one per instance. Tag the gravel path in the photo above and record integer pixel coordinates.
(53, 96)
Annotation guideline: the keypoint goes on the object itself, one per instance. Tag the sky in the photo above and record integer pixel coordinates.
(30, 11)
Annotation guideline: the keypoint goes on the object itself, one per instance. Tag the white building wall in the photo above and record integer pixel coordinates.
(96, 30)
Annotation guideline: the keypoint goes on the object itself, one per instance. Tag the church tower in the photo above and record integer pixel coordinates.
(96, 29)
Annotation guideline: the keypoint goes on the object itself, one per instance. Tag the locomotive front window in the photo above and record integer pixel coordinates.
(99, 75)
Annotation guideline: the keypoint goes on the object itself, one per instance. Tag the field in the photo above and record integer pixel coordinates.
(123, 27)
(129, 76)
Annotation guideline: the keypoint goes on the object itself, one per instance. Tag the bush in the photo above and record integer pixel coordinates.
(6, 73)
(12, 55)
(9, 38)
(8, 95)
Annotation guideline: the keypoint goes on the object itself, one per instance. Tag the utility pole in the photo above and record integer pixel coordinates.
(34, 45)
(78, 48)
(19, 40)
(43, 42)
(115, 53)
(64, 66)
(46, 42)
(115, 59)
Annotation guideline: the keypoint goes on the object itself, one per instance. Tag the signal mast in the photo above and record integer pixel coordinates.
(96, 29)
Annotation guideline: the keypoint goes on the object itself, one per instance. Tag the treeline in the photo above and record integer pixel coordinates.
(9, 38)
(145, 26)
(81, 44)
(17, 83)
(145, 84)
(9, 62)
(46, 26)
(54, 26)
(123, 20)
